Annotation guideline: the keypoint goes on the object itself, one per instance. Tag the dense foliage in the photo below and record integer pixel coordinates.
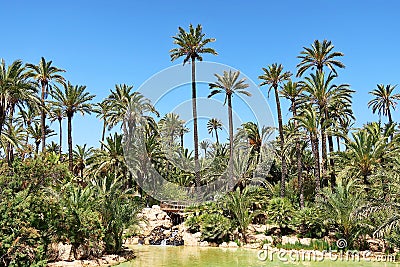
(320, 177)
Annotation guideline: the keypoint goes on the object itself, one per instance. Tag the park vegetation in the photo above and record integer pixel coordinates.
(320, 176)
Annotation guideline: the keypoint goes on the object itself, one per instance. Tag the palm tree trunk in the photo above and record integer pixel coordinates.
(282, 141)
(230, 164)
(331, 161)
(324, 162)
(70, 142)
(216, 135)
(43, 118)
(315, 151)
(230, 128)
(59, 123)
(9, 152)
(390, 117)
(338, 143)
(195, 132)
(181, 136)
(103, 134)
(299, 164)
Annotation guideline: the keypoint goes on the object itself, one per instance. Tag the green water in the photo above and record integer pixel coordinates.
(157, 256)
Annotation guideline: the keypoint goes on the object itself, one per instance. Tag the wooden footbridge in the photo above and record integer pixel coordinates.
(174, 206)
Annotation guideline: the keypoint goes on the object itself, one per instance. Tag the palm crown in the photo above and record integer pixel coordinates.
(191, 44)
(319, 55)
(384, 100)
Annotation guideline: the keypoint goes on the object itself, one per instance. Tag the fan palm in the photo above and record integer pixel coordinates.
(70, 100)
(273, 76)
(319, 55)
(44, 73)
(191, 46)
(384, 100)
(229, 85)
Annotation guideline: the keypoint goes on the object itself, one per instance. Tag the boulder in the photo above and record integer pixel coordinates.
(289, 240)
(191, 239)
(65, 252)
(232, 244)
(203, 244)
(305, 241)
(223, 245)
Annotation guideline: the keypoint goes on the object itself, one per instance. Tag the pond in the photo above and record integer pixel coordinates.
(158, 256)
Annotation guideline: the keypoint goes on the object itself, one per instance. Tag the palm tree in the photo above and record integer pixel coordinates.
(293, 91)
(384, 100)
(213, 125)
(57, 114)
(190, 46)
(324, 94)
(71, 100)
(319, 55)
(273, 76)
(111, 159)
(204, 145)
(36, 132)
(44, 73)
(102, 110)
(16, 91)
(229, 85)
(27, 118)
(81, 156)
(53, 147)
(309, 120)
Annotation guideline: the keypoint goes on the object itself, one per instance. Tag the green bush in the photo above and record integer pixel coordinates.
(215, 227)
(281, 212)
(310, 223)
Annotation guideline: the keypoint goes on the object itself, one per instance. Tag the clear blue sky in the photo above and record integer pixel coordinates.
(101, 43)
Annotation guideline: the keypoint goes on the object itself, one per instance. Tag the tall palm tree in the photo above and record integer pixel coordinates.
(319, 55)
(57, 114)
(213, 125)
(44, 73)
(229, 85)
(191, 45)
(308, 119)
(27, 117)
(273, 76)
(16, 91)
(384, 100)
(36, 132)
(293, 91)
(102, 109)
(71, 100)
(324, 94)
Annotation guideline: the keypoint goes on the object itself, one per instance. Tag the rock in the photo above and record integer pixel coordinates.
(305, 241)
(257, 228)
(147, 241)
(155, 207)
(232, 244)
(223, 245)
(289, 240)
(167, 233)
(252, 246)
(203, 244)
(161, 216)
(65, 252)
(191, 239)
(132, 241)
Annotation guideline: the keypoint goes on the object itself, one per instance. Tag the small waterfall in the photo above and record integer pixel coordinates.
(163, 242)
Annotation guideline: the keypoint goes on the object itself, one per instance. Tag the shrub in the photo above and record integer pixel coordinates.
(281, 212)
